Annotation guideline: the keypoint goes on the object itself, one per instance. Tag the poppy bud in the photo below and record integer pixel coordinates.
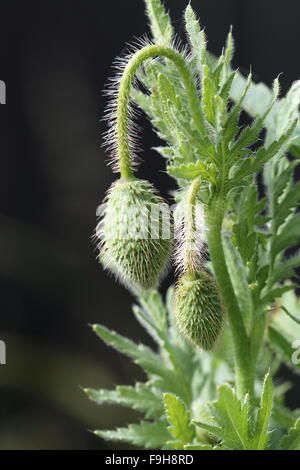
(135, 233)
(198, 309)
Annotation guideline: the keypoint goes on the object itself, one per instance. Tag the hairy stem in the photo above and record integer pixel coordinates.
(122, 124)
(243, 364)
(190, 228)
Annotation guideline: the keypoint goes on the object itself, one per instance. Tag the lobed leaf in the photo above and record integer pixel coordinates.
(141, 398)
(146, 434)
(179, 419)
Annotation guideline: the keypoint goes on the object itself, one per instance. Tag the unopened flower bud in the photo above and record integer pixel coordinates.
(198, 309)
(135, 234)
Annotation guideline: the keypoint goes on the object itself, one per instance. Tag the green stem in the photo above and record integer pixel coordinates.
(122, 123)
(243, 363)
(190, 228)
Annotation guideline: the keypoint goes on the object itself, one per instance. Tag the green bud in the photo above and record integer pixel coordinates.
(198, 309)
(135, 234)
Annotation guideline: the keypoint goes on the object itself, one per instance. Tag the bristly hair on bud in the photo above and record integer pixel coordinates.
(198, 309)
(134, 234)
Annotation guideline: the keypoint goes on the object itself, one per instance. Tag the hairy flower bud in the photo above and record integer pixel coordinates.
(198, 309)
(134, 233)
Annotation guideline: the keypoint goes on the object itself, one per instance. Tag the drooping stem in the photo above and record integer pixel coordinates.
(122, 123)
(243, 364)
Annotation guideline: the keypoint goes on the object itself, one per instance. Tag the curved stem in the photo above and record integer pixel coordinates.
(122, 123)
(243, 363)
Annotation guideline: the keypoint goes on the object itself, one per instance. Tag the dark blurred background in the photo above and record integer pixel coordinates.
(55, 57)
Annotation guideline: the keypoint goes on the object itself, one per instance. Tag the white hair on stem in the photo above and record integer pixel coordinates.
(112, 91)
(189, 233)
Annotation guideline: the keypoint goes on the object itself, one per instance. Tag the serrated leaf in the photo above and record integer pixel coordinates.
(189, 171)
(224, 92)
(233, 420)
(145, 434)
(254, 163)
(292, 440)
(264, 414)
(231, 126)
(196, 36)
(142, 355)
(257, 99)
(179, 419)
(140, 398)
(160, 22)
(249, 134)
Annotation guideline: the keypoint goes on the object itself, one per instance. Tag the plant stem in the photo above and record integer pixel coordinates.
(243, 364)
(123, 100)
(191, 228)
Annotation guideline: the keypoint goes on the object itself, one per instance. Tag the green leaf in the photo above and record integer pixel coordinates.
(288, 109)
(264, 414)
(285, 268)
(160, 22)
(179, 419)
(208, 95)
(190, 171)
(233, 419)
(145, 434)
(231, 127)
(283, 179)
(287, 205)
(288, 236)
(277, 293)
(140, 398)
(296, 320)
(142, 355)
(229, 50)
(238, 275)
(282, 347)
(284, 416)
(154, 307)
(254, 163)
(257, 99)
(196, 36)
(292, 440)
(249, 134)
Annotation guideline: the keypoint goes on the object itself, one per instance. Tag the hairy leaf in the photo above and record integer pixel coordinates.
(160, 23)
